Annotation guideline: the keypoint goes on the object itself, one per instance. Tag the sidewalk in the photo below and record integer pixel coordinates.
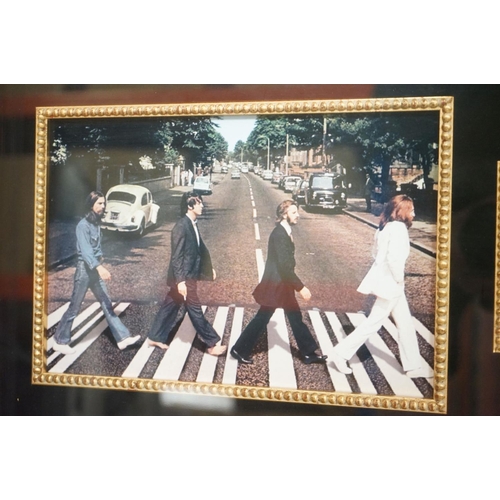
(423, 232)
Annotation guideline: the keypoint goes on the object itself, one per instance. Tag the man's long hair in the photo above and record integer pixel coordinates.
(399, 209)
(91, 216)
(283, 209)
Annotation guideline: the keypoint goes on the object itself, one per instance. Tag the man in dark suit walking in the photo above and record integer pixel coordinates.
(277, 290)
(189, 262)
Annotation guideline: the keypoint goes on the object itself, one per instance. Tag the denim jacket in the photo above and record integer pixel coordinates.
(88, 243)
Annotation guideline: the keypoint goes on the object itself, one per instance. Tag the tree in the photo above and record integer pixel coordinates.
(380, 139)
(196, 139)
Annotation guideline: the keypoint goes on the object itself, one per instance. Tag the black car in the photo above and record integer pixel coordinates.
(326, 191)
(299, 193)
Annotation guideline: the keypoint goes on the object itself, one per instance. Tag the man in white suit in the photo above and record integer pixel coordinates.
(385, 280)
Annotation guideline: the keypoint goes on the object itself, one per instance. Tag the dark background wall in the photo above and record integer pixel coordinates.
(474, 371)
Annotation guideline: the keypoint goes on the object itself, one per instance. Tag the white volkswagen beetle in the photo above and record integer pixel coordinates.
(129, 208)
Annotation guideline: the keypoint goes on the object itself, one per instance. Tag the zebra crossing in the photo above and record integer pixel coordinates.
(376, 366)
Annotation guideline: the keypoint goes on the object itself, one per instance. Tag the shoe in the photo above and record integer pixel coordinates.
(314, 358)
(340, 363)
(128, 342)
(420, 373)
(240, 358)
(63, 348)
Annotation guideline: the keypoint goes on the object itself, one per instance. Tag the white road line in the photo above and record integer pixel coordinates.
(175, 357)
(254, 213)
(364, 382)
(81, 347)
(260, 262)
(231, 366)
(257, 232)
(281, 371)
(253, 203)
(392, 370)
(339, 380)
(56, 316)
(209, 363)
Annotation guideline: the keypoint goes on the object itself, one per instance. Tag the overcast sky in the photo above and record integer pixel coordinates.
(235, 128)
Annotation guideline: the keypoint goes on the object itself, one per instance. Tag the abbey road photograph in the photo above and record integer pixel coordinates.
(283, 251)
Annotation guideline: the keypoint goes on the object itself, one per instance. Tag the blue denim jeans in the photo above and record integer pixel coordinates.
(86, 278)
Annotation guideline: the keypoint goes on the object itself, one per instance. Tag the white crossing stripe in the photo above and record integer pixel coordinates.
(170, 367)
(339, 380)
(56, 316)
(231, 366)
(401, 384)
(209, 363)
(76, 323)
(281, 371)
(424, 332)
(98, 317)
(393, 332)
(139, 361)
(67, 360)
(364, 382)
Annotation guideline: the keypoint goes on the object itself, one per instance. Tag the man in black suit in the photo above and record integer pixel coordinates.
(277, 290)
(189, 262)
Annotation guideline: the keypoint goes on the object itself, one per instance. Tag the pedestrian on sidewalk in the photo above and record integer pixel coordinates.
(277, 290)
(385, 280)
(90, 273)
(369, 186)
(190, 262)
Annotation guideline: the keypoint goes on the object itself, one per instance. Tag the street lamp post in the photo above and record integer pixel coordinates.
(268, 148)
(286, 155)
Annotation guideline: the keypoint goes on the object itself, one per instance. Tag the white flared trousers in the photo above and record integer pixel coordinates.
(407, 336)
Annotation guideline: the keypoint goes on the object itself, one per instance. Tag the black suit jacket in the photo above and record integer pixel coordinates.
(279, 281)
(188, 260)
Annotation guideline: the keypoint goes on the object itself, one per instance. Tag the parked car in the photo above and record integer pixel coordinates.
(299, 193)
(224, 169)
(267, 175)
(290, 182)
(202, 185)
(326, 191)
(276, 177)
(235, 174)
(130, 208)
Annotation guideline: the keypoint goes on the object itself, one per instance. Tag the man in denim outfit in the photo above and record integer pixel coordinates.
(90, 273)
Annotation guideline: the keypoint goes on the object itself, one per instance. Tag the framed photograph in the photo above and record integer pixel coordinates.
(291, 251)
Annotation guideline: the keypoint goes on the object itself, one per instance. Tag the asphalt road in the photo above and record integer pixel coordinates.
(333, 253)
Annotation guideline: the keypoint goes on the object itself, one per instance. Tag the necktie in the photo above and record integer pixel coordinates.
(196, 231)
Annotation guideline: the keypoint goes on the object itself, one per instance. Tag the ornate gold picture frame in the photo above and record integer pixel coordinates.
(383, 147)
